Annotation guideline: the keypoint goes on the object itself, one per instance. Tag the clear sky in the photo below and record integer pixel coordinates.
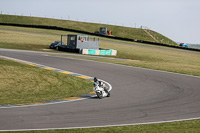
(179, 20)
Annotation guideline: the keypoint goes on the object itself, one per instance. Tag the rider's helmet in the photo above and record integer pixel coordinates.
(95, 79)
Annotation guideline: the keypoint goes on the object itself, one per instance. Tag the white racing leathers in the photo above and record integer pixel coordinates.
(99, 88)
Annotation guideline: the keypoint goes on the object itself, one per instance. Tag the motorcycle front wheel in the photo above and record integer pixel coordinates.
(99, 95)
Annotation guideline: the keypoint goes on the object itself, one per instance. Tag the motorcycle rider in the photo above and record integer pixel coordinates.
(100, 84)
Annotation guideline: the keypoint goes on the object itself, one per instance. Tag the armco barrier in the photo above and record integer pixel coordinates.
(95, 34)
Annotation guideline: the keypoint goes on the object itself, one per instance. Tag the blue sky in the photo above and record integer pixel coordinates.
(177, 19)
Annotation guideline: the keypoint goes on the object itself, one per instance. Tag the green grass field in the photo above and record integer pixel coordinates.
(19, 40)
(24, 84)
(127, 32)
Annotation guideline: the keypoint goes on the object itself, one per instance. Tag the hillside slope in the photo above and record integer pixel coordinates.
(119, 31)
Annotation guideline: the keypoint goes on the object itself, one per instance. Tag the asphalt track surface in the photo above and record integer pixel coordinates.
(138, 96)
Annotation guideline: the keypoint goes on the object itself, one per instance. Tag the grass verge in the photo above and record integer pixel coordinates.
(24, 84)
(173, 127)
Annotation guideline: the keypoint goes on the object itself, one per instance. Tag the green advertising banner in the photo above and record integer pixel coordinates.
(108, 52)
(91, 51)
(102, 52)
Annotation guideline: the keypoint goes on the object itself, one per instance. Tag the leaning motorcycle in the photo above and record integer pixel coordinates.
(101, 92)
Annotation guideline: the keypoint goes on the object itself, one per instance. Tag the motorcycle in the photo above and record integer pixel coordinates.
(101, 92)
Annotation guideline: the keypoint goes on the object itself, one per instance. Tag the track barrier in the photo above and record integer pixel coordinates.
(110, 52)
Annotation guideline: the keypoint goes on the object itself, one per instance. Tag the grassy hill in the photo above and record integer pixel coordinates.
(119, 31)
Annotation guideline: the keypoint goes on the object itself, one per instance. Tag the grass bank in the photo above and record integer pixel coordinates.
(119, 31)
(24, 84)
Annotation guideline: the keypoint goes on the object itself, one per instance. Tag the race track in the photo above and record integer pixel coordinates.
(138, 96)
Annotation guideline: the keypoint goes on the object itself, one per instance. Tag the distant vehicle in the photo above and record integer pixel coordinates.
(104, 31)
(183, 45)
(61, 46)
(54, 44)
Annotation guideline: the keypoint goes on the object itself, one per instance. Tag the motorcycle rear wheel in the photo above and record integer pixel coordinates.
(108, 94)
